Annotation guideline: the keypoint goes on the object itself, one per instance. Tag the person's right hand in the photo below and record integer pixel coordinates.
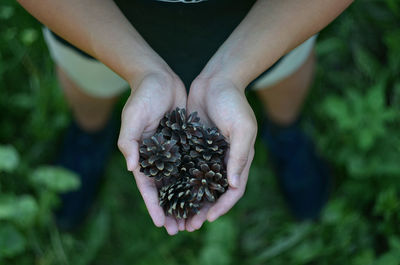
(151, 97)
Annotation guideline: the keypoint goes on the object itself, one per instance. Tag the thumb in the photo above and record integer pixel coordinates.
(130, 150)
(129, 137)
(241, 144)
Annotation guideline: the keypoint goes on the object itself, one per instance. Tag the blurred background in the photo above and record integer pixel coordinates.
(352, 112)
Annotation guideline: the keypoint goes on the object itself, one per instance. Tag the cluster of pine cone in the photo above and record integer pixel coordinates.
(187, 161)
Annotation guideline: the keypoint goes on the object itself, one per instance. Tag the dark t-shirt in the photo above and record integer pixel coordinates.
(185, 35)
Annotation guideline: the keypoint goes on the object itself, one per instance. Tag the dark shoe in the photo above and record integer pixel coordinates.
(87, 155)
(304, 178)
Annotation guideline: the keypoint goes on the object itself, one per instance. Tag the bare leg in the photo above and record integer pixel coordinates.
(283, 101)
(302, 175)
(91, 113)
(85, 149)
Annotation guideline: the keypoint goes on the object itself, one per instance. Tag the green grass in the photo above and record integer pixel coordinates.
(352, 113)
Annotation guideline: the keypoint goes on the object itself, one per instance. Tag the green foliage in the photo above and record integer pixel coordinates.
(12, 242)
(20, 210)
(219, 243)
(9, 158)
(55, 178)
(354, 105)
(33, 114)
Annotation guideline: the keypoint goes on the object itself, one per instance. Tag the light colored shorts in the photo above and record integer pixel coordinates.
(98, 80)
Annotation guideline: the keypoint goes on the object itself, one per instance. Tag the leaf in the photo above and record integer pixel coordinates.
(22, 100)
(12, 242)
(336, 108)
(334, 211)
(296, 234)
(9, 158)
(330, 46)
(21, 210)
(392, 42)
(29, 36)
(307, 251)
(387, 203)
(57, 179)
(6, 12)
(366, 62)
(366, 139)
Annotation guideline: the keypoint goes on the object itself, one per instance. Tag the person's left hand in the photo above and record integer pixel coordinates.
(221, 103)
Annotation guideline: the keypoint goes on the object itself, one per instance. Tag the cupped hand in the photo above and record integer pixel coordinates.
(152, 96)
(223, 104)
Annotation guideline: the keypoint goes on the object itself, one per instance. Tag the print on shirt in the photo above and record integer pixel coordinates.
(183, 1)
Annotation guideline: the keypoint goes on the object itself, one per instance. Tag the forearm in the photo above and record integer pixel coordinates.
(271, 29)
(99, 28)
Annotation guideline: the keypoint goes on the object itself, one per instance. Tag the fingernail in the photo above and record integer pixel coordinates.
(235, 181)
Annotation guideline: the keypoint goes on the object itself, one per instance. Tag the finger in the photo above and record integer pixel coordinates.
(149, 193)
(188, 227)
(196, 221)
(171, 225)
(229, 199)
(241, 144)
(181, 224)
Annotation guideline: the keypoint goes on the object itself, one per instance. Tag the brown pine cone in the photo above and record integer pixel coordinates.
(177, 199)
(211, 145)
(188, 159)
(177, 126)
(187, 164)
(159, 157)
(208, 182)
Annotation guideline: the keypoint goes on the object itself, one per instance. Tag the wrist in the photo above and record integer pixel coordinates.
(134, 74)
(211, 81)
(219, 70)
(161, 76)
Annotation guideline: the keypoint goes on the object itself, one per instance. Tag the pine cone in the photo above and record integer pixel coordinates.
(177, 199)
(187, 159)
(208, 182)
(159, 157)
(211, 145)
(177, 126)
(187, 164)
